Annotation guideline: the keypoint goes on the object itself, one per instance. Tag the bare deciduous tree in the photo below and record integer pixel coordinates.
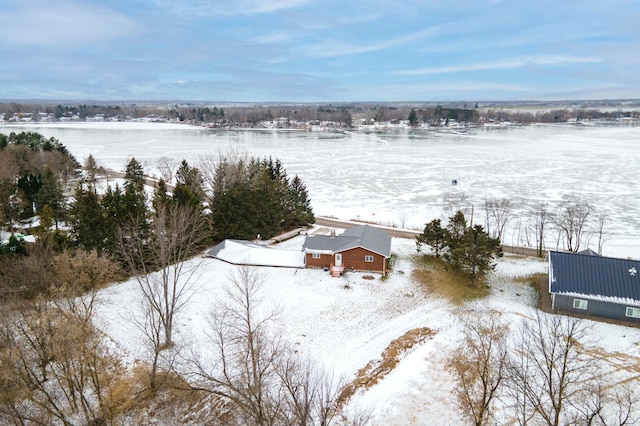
(550, 370)
(602, 233)
(571, 220)
(497, 215)
(252, 369)
(479, 365)
(160, 263)
(56, 365)
(167, 167)
(540, 216)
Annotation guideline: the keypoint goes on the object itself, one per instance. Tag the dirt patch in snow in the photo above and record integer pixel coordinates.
(376, 370)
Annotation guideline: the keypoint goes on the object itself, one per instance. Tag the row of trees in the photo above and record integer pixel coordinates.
(542, 372)
(57, 368)
(33, 170)
(254, 198)
(571, 224)
(341, 114)
(466, 248)
(232, 197)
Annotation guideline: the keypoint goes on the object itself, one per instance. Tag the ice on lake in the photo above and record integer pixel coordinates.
(405, 177)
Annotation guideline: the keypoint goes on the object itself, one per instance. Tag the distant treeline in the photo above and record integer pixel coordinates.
(283, 116)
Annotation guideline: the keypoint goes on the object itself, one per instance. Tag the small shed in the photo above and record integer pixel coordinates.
(589, 284)
(361, 248)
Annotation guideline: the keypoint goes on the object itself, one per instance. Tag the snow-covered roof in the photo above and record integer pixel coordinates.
(4, 237)
(596, 277)
(369, 237)
(241, 252)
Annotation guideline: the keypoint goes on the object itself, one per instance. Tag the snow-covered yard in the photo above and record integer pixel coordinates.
(343, 323)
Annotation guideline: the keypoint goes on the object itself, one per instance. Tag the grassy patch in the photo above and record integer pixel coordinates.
(377, 369)
(533, 280)
(434, 277)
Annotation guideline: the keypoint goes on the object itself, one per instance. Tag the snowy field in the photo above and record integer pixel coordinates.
(404, 177)
(343, 323)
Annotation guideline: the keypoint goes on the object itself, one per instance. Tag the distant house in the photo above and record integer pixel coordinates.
(361, 248)
(589, 284)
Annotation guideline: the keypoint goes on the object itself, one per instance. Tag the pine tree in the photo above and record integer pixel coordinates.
(87, 219)
(134, 175)
(189, 190)
(134, 197)
(50, 194)
(413, 117)
(299, 211)
(470, 249)
(161, 197)
(433, 235)
(114, 213)
(91, 167)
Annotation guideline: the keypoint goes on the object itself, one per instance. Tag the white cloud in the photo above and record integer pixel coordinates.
(508, 64)
(336, 48)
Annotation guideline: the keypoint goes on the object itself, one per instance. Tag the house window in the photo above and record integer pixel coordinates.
(316, 255)
(579, 304)
(368, 258)
(633, 312)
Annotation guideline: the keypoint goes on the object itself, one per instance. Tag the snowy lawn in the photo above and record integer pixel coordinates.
(343, 323)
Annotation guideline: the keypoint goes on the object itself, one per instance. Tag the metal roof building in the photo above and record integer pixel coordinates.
(595, 285)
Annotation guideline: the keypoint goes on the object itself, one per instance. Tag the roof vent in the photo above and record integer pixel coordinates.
(633, 271)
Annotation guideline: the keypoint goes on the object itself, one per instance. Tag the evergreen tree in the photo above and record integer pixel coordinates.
(413, 117)
(50, 194)
(87, 219)
(29, 185)
(134, 175)
(299, 211)
(161, 197)
(189, 190)
(91, 167)
(474, 252)
(134, 199)
(433, 235)
(456, 227)
(255, 197)
(114, 212)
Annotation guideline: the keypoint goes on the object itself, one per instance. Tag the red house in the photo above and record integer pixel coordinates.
(362, 248)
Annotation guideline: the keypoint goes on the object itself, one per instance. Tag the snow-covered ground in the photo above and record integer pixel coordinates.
(343, 323)
(404, 177)
(346, 322)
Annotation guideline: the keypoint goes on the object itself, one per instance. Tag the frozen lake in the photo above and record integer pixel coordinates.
(404, 177)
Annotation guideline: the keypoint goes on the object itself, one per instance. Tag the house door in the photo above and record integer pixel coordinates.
(338, 259)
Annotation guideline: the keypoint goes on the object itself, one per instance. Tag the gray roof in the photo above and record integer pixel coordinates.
(589, 252)
(365, 236)
(594, 275)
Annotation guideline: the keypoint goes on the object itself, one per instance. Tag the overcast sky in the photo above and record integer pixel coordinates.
(319, 50)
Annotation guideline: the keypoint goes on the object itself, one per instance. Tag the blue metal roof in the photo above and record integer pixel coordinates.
(594, 275)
